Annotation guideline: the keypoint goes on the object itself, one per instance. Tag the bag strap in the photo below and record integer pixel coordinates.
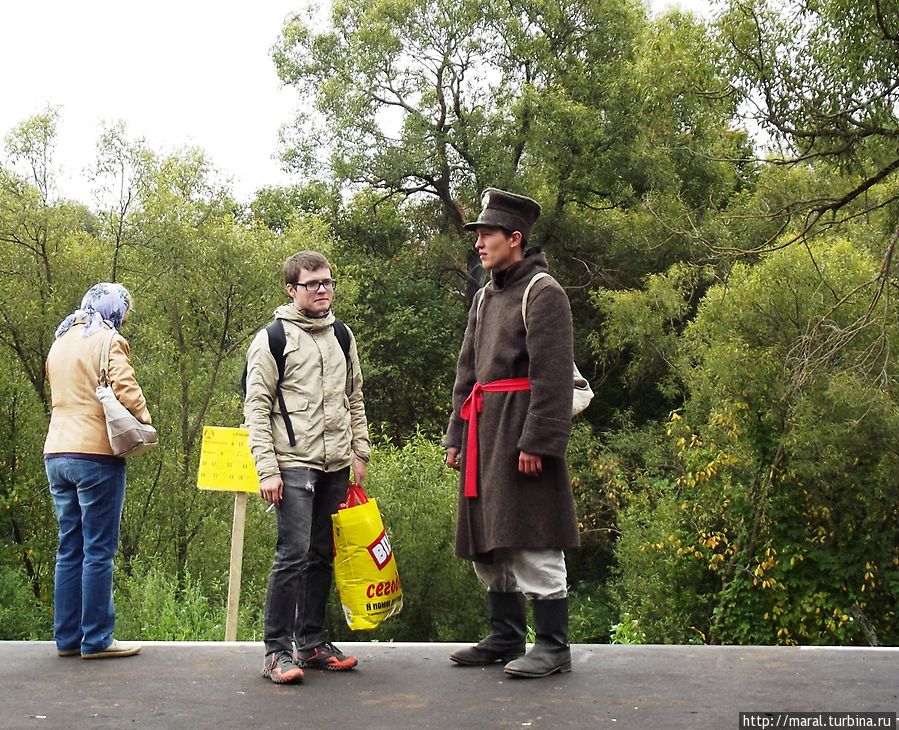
(524, 299)
(103, 379)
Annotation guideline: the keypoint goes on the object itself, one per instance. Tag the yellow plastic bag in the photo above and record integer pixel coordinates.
(364, 564)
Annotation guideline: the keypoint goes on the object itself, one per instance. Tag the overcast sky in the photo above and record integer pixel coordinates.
(192, 72)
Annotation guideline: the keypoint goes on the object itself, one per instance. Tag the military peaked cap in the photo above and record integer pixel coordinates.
(502, 209)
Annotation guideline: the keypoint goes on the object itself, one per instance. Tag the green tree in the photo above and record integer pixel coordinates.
(597, 111)
(204, 284)
(818, 80)
(771, 523)
(46, 254)
(403, 311)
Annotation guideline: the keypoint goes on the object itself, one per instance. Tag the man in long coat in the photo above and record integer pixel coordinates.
(507, 435)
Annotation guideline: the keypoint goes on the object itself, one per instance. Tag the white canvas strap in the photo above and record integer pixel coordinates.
(524, 300)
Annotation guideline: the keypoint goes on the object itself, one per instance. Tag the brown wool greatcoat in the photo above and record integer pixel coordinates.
(513, 510)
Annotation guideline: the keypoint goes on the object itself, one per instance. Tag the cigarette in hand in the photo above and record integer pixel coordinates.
(269, 508)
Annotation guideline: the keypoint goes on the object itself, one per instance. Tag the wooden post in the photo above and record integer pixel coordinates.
(234, 572)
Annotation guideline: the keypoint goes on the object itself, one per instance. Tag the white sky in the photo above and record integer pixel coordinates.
(177, 73)
(188, 72)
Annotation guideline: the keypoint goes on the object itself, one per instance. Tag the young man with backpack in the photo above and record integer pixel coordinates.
(305, 413)
(514, 386)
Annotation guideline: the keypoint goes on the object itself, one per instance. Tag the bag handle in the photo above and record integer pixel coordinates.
(355, 495)
(103, 379)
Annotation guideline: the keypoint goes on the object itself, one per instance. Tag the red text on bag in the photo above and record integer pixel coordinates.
(384, 588)
(381, 550)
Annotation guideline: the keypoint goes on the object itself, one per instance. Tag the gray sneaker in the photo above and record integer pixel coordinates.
(327, 656)
(281, 668)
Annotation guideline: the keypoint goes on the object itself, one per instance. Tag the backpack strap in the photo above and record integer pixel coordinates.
(343, 337)
(277, 341)
(524, 299)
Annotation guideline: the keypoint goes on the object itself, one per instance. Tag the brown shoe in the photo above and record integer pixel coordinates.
(115, 649)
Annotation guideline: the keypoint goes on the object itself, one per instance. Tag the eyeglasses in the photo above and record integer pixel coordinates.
(326, 284)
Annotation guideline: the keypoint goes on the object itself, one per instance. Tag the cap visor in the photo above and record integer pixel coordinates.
(484, 224)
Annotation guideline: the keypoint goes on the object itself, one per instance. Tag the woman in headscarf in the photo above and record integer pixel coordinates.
(87, 481)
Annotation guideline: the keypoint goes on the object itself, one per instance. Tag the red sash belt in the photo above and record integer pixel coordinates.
(473, 405)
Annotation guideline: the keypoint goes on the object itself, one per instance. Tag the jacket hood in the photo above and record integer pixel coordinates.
(290, 313)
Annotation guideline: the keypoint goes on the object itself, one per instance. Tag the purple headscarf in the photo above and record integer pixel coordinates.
(104, 302)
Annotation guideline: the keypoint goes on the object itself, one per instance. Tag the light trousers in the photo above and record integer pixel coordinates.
(538, 574)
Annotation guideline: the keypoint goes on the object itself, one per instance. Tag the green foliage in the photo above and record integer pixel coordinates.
(640, 335)
(773, 525)
(627, 631)
(734, 476)
(818, 80)
(661, 583)
(597, 497)
(416, 494)
(22, 616)
(151, 604)
(408, 324)
(590, 611)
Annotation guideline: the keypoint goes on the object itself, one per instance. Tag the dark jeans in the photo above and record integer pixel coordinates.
(300, 579)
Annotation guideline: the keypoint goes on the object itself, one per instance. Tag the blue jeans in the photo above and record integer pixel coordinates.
(300, 580)
(88, 496)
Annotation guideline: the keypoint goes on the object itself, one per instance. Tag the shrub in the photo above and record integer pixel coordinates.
(22, 615)
(153, 605)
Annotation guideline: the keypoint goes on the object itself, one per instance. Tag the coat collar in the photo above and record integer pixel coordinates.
(533, 262)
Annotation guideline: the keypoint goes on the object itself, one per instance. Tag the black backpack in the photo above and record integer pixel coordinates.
(277, 341)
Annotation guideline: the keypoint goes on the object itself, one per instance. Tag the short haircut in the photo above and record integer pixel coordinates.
(309, 260)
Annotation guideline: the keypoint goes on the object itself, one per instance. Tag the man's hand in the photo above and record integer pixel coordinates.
(359, 467)
(530, 465)
(453, 458)
(271, 490)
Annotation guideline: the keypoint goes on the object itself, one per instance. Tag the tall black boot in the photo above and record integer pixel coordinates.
(508, 623)
(550, 652)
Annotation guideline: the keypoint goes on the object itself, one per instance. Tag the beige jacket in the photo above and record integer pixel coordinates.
(327, 414)
(77, 424)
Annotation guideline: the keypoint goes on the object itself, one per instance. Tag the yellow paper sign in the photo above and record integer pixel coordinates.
(226, 462)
